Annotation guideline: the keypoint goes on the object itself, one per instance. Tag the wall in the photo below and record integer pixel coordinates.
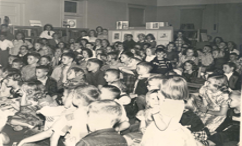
(226, 16)
(106, 12)
(193, 2)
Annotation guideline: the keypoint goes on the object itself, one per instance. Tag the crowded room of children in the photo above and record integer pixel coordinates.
(120, 72)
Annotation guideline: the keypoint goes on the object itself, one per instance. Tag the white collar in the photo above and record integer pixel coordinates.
(229, 75)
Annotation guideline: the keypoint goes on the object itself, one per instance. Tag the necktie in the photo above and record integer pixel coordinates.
(48, 33)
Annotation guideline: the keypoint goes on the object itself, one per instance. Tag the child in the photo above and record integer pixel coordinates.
(15, 82)
(231, 126)
(10, 60)
(45, 60)
(234, 79)
(49, 83)
(56, 60)
(120, 49)
(105, 44)
(150, 54)
(17, 63)
(5, 47)
(160, 64)
(75, 77)
(60, 72)
(56, 39)
(28, 71)
(23, 54)
(127, 58)
(95, 76)
(98, 44)
(214, 97)
(112, 60)
(232, 48)
(166, 118)
(189, 70)
(217, 62)
(233, 57)
(141, 41)
(129, 43)
(91, 47)
(4, 139)
(151, 40)
(207, 58)
(48, 32)
(190, 54)
(87, 54)
(110, 113)
(171, 53)
(18, 42)
(37, 47)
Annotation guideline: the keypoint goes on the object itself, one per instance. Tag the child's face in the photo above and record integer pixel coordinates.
(188, 66)
(66, 60)
(44, 61)
(212, 84)
(40, 73)
(215, 54)
(44, 41)
(10, 82)
(72, 47)
(109, 49)
(149, 39)
(124, 58)
(85, 54)
(160, 55)
(99, 51)
(89, 46)
(37, 46)
(148, 52)
(120, 47)
(153, 85)
(104, 43)
(91, 66)
(48, 28)
(106, 94)
(10, 60)
(2, 37)
(83, 42)
(170, 47)
(58, 52)
(222, 45)
(129, 38)
(32, 60)
(16, 65)
(97, 42)
(92, 34)
(71, 74)
(105, 32)
(233, 57)
(109, 77)
(234, 101)
(77, 46)
(190, 53)
(132, 51)
(61, 45)
(23, 50)
(153, 100)
(45, 50)
(179, 35)
(141, 38)
(230, 45)
(19, 36)
(227, 69)
(141, 70)
(206, 49)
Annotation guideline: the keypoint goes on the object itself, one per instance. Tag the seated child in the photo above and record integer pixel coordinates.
(37, 47)
(214, 94)
(218, 61)
(18, 64)
(75, 77)
(231, 126)
(233, 57)
(112, 60)
(189, 71)
(56, 60)
(166, 118)
(23, 54)
(128, 60)
(10, 60)
(49, 83)
(207, 58)
(86, 54)
(28, 71)
(46, 60)
(171, 53)
(160, 64)
(234, 78)
(150, 54)
(109, 112)
(4, 139)
(95, 76)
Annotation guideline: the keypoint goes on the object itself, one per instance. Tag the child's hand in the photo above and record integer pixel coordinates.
(132, 95)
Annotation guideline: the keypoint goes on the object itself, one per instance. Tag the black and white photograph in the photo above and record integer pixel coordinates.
(120, 72)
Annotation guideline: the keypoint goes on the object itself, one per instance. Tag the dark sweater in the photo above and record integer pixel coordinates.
(161, 66)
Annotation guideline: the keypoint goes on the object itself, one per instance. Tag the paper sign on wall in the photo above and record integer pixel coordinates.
(72, 23)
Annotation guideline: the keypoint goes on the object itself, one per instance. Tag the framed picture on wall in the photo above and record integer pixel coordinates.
(116, 36)
(124, 35)
(136, 33)
(152, 32)
(164, 35)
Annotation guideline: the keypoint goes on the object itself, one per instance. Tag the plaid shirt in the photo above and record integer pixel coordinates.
(129, 80)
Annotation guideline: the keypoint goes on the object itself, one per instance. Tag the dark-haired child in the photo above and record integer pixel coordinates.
(151, 40)
(112, 60)
(50, 84)
(56, 60)
(60, 72)
(23, 54)
(18, 64)
(110, 112)
(234, 79)
(46, 60)
(28, 71)
(75, 77)
(171, 53)
(86, 54)
(233, 57)
(5, 47)
(95, 76)
(189, 70)
(129, 43)
(160, 64)
(150, 54)
(217, 62)
(10, 60)
(127, 58)
(91, 47)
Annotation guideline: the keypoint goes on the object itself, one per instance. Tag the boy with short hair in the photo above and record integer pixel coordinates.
(234, 79)
(160, 64)
(50, 84)
(103, 133)
(218, 60)
(17, 63)
(129, 43)
(112, 60)
(28, 71)
(95, 76)
(10, 59)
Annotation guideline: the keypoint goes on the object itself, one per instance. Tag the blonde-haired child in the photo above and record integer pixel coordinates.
(214, 94)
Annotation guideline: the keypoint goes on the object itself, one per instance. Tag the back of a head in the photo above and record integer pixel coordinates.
(175, 87)
(108, 110)
(96, 61)
(114, 72)
(88, 93)
(114, 92)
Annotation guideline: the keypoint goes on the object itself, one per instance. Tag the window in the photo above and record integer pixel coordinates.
(136, 17)
(70, 7)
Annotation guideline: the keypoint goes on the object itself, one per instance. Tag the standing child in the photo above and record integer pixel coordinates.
(234, 78)
(28, 71)
(110, 112)
(189, 70)
(95, 76)
(5, 47)
(215, 96)
(160, 64)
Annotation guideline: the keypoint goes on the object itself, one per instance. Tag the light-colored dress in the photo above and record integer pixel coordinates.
(17, 44)
(214, 101)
